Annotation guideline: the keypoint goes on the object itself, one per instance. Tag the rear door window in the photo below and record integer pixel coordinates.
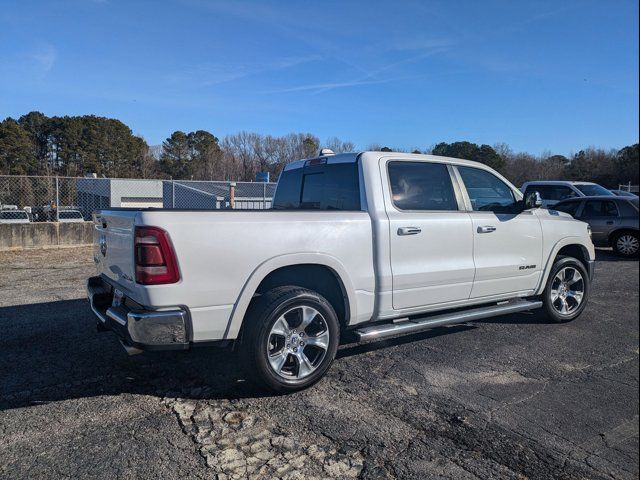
(421, 186)
(599, 208)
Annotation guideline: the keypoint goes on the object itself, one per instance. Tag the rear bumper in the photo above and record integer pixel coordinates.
(138, 328)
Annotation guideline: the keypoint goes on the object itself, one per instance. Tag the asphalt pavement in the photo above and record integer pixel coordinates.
(508, 397)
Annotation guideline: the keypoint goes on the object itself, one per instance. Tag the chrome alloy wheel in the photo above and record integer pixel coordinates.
(298, 342)
(567, 290)
(627, 244)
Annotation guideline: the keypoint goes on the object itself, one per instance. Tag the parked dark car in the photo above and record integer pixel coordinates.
(613, 221)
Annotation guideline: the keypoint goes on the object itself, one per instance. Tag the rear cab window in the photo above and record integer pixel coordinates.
(319, 185)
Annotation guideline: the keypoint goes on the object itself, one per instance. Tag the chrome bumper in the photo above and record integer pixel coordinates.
(138, 329)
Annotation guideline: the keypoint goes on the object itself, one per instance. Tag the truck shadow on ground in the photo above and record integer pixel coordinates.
(52, 351)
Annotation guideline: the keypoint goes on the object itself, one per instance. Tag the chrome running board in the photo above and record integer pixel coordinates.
(413, 325)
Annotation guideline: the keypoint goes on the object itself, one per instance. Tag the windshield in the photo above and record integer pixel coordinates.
(593, 190)
(13, 215)
(69, 215)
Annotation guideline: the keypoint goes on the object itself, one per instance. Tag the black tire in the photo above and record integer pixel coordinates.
(263, 313)
(623, 249)
(551, 306)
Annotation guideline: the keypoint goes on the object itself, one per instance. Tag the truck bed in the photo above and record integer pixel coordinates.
(221, 252)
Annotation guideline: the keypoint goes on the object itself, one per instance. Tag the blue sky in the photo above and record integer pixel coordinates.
(538, 75)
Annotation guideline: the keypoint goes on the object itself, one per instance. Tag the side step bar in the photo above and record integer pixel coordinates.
(384, 330)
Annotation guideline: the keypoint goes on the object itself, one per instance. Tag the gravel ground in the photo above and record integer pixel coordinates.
(510, 397)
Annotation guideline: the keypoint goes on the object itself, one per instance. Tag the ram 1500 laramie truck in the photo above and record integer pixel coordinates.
(378, 243)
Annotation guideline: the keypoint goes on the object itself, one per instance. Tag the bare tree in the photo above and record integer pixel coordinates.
(339, 146)
(247, 153)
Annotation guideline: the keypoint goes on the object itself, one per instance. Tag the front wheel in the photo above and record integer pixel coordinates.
(567, 290)
(292, 338)
(626, 244)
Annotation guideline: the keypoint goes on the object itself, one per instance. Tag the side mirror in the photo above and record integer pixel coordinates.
(532, 200)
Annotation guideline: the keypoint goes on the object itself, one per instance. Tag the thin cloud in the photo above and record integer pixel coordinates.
(44, 57)
(206, 75)
(422, 43)
(322, 87)
(373, 77)
(286, 25)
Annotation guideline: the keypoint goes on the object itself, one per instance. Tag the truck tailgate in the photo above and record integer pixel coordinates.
(113, 238)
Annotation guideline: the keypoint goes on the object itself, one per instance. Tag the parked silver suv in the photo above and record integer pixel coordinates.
(554, 191)
(613, 221)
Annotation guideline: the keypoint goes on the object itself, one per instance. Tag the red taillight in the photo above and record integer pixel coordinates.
(155, 259)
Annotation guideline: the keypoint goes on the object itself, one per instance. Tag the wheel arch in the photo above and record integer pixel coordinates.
(319, 272)
(569, 246)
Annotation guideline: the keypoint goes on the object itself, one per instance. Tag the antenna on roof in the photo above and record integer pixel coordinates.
(325, 152)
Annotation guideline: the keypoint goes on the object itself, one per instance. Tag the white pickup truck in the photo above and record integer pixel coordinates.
(379, 243)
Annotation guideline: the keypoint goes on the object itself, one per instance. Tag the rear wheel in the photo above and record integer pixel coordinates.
(566, 293)
(626, 244)
(292, 338)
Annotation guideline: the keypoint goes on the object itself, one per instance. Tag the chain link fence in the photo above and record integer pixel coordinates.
(66, 199)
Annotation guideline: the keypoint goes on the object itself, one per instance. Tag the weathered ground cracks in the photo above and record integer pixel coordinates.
(236, 443)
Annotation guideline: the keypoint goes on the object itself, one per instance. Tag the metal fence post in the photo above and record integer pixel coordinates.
(57, 200)
(232, 195)
(173, 194)
(264, 196)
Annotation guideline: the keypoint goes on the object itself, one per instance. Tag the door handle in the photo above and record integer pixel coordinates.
(609, 222)
(486, 229)
(409, 231)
